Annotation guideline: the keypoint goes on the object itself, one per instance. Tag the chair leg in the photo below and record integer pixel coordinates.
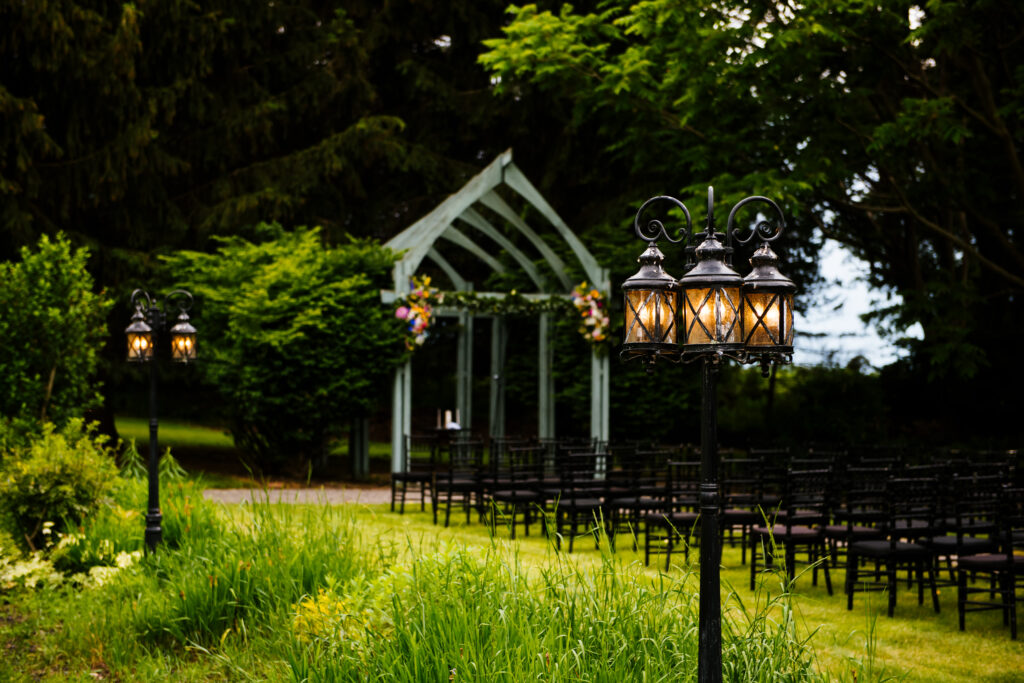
(1010, 599)
(824, 567)
(670, 540)
(812, 558)
(961, 597)
(935, 590)
(392, 494)
(851, 577)
(753, 561)
(892, 581)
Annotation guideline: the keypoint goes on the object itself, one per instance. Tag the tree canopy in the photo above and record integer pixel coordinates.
(139, 128)
(894, 128)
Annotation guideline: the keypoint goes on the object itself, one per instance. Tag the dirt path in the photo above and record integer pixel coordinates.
(368, 496)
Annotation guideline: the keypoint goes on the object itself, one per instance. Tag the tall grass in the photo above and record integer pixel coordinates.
(305, 593)
(464, 615)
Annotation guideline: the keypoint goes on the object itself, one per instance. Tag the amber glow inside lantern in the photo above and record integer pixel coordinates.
(652, 302)
(767, 305)
(140, 338)
(650, 316)
(711, 301)
(183, 340)
(713, 313)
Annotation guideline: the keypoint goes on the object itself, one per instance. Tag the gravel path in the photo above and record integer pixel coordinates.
(367, 496)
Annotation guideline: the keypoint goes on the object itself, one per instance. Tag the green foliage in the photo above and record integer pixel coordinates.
(295, 337)
(58, 480)
(53, 326)
(902, 141)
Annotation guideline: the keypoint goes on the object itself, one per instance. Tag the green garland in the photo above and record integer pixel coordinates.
(513, 303)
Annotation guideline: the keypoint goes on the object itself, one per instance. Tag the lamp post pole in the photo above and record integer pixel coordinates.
(709, 650)
(149, 320)
(709, 314)
(154, 518)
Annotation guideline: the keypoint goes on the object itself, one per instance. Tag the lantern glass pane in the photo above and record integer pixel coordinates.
(650, 316)
(712, 315)
(787, 319)
(140, 346)
(183, 347)
(762, 317)
(768, 319)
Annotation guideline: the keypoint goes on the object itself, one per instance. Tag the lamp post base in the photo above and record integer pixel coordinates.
(154, 532)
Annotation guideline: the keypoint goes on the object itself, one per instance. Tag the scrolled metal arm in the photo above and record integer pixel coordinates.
(657, 226)
(184, 297)
(137, 297)
(764, 230)
(181, 298)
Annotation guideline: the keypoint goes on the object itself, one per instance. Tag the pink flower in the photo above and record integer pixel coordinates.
(402, 312)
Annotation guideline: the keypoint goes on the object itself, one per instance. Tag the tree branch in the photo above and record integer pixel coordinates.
(959, 241)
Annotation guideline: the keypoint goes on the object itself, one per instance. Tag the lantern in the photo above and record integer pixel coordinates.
(767, 306)
(183, 340)
(140, 338)
(652, 303)
(711, 302)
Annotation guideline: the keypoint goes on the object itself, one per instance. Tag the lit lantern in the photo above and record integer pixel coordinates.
(767, 306)
(652, 304)
(711, 302)
(140, 338)
(183, 340)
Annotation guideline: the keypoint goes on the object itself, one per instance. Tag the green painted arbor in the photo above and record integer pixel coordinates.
(456, 221)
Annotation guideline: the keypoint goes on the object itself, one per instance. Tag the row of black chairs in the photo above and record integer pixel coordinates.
(883, 515)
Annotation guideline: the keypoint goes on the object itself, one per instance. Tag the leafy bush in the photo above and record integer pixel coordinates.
(296, 337)
(58, 480)
(53, 326)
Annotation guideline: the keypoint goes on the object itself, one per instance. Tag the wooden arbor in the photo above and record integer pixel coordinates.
(455, 220)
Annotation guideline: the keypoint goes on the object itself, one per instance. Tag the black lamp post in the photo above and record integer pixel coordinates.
(148, 321)
(709, 314)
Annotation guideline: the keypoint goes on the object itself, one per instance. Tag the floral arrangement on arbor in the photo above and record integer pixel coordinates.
(590, 304)
(416, 310)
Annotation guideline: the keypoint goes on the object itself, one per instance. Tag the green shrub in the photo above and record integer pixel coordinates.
(296, 338)
(59, 479)
(53, 326)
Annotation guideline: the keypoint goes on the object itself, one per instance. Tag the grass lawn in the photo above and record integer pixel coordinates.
(916, 645)
(173, 433)
(208, 452)
(301, 592)
(356, 592)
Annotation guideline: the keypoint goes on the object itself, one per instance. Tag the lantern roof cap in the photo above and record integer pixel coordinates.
(765, 273)
(183, 326)
(138, 324)
(711, 269)
(651, 274)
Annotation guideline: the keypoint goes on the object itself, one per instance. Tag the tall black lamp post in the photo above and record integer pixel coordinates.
(148, 321)
(709, 314)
